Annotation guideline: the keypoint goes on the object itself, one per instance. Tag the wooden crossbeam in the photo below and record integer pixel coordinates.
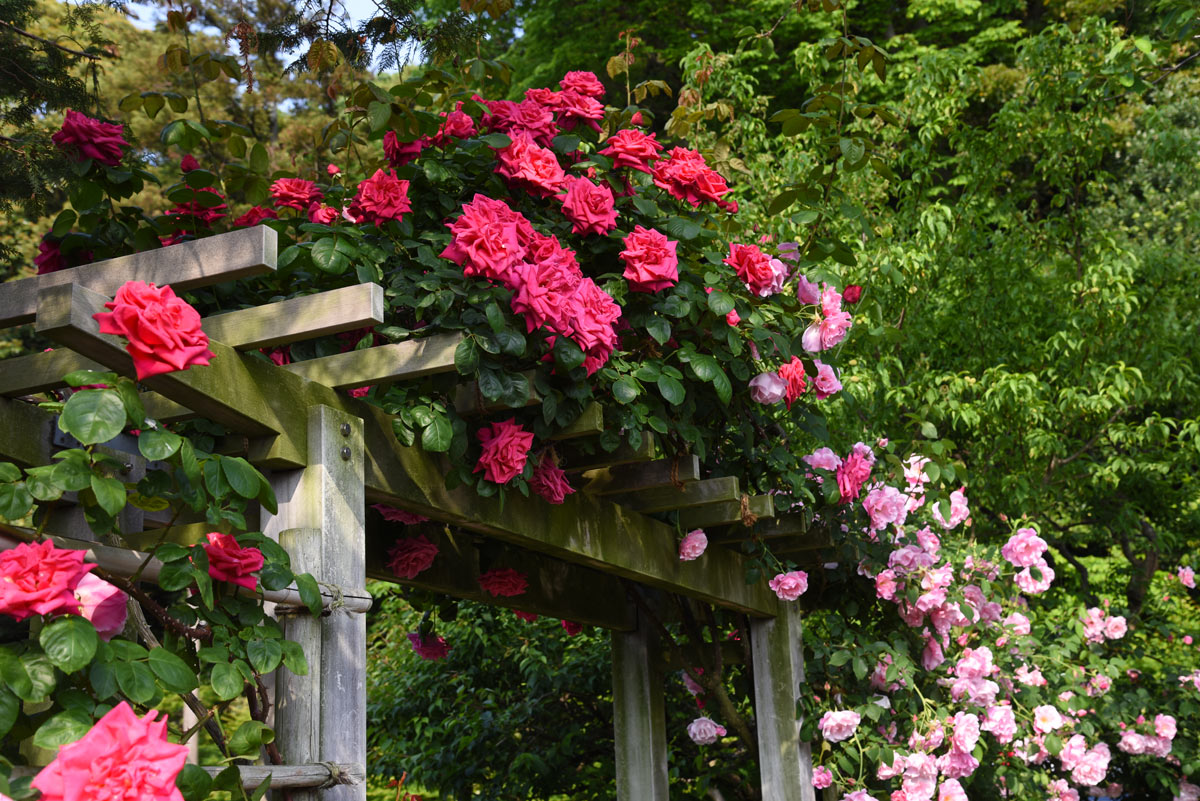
(557, 589)
(270, 405)
(38, 372)
(296, 319)
(25, 434)
(697, 493)
(589, 423)
(725, 512)
(649, 475)
(576, 459)
(384, 364)
(237, 254)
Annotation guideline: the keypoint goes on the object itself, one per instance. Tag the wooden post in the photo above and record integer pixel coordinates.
(638, 718)
(785, 763)
(323, 716)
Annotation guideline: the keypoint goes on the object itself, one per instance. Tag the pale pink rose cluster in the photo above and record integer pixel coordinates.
(1098, 626)
(1187, 577)
(1024, 549)
(693, 545)
(1157, 744)
(1059, 790)
(822, 777)
(1000, 722)
(915, 479)
(830, 325)
(958, 510)
(1187, 792)
(704, 731)
(1087, 765)
(1098, 685)
(886, 506)
(839, 725)
(973, 683)
(789, 586)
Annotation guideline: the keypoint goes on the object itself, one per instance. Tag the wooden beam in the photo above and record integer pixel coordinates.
(639, 722)
(725, 512)
(650, 475)
(589, 423)
(39, 372)
(384, 364)
(285, 777)
(213, 260)
(25, 433)
(784, 762)
(576, 459)
(697, 493)
(295, 319)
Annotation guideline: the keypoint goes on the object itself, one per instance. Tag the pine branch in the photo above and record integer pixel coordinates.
(36, 38)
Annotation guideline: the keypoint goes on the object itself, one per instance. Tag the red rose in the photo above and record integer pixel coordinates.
(254, 216)
(762, 275)
(458, 124)
(586, 83)
(394, 515)
(188, 163)
(205, 212)
(430, 648)
(542, 287)
(325, 215)
(489, 239)
(400, 153)
(295, 193)
(592, 314)
(40, 579)
(49, 258)
(571, 627)
(686, 175)
(91, 139)
(163, 331)
(630, 147)
(381, 197)
(793, 374)
(529, 166)
(505, 449)
(504, 582)
(528, 617)
(530, 117)
(852, 293)
(227, 561)
(589, 207)
(550, 481)
(574, 107)
(411, 556)
(121, 757)
(651, 264)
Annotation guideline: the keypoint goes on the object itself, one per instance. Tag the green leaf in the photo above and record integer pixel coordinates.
(41, 484)
(63, 728)
(259, 161)
(69, 642)
(9, 472)
(110, 494)
(134, 409)
(63, 223)
(40, 671)
(658, 328)
(625, 389)
(782, 201)
(310, 593)
(227, 683)
(704, 366)
(172, 671)
(567, 354)
(852, 149)
(242, 477)
(158, 444)
(671, 390)
(681, 228)
(839, 658)
(929, 430)
(565, 143)
(719, 303)
(10, 705)
(103, 680)
(466, 357)
(15, 501)
(379, 115)
(194, 783)
(135, 680)
(175, 576)
(328, 257)
(437, 435)
(496, 140)
(264, 654)
(93, 416)
(250, 736)
(293, 657)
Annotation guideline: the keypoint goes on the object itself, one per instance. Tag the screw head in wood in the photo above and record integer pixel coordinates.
(345, 454)
(345, 429)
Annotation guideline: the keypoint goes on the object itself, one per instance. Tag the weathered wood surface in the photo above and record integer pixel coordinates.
(785, 763)
(639, 721)
(285, 777)
(300, 318)
(697, 493)
(650, 475)
(589, 423)
(575, 459)
(383, 364)
(25, 433)
(237, 254)
(38, 372)
(725, 512)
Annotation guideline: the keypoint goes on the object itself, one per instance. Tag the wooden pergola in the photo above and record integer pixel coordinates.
(329, 455)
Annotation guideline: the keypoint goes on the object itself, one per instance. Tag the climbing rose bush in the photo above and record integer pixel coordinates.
(163, 331)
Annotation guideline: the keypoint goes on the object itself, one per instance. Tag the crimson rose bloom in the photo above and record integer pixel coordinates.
(227, 561)
(489, 239)
(295, 193)
(529, 166)
(91, 139)
(394, 515)
(400, 153)
(573, 107)
(40, 579)
(650, 261)
(528, 617)
(163, 331)
(589, 207)
(571, 627)
(852, 293)
(793, 374)
(505, 448)
(188, 163)
(630, 147)
(753, 267)
(254, 216)
(411, 556)
(381, 197)
(207, 213)
(429, 648)
(504, 582)
(49, 258)
(686, 175)
(122, 757)
(550, 481)
(586, 83)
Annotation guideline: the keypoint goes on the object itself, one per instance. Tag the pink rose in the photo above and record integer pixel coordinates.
(1024, 548)
(394, 515)
(704, 731)
(332, 169)
(632, 148)
(573, 107)
(589, 207)
(793, 374)
(323, 215)
(400, 153)
(767, 388)
(254, 216)
(528, 166)
(163, 331)
(550, 481)
(1188, 577)
(1164, 726)
(1001, 722)
(951, 790)
(121, 757)
(49, 258)
(102, 604)
(692, 545)
(840, 725)
(686, 176)
(505, 450)
(40, 579)
(1046, 719)
(586, 83)
(489, 239)
(1027, 581)
(528, 617)
(87, 138)
(807, 292)
(381, 197)
(504, 582)
(650, 261)
(826, 383)
(756, 270)
(824, 459)
(1018, 622)
(1114, 627)
(227, 561)
(411, 556)
(958, 510)
(1092, 766)
(733, 318)
(429, 648)
(830, 326)
(886, 506)
(789, 586)
(854, 471)
(295, 193)
(886, 586)
(822, 777)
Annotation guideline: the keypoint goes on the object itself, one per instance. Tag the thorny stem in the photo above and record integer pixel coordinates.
(202, 633)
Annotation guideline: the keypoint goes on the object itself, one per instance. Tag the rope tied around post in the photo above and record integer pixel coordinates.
(748, 517)
(336, 776)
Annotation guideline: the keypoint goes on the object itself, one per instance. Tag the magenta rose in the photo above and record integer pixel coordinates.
(188, 163)
(589, 207)
(254, 216)
(489, 238)
(854, 471)
(504, 582)
(49, 258)
(528, 617)
(550, 481)
(102, 604)
(573, 107)
(586, 83)
(228, 561)
(381, 197)
(91, 139)
(826, 382)
(505, 449)
(295, 193)
(529, 166)
(886, 506)
(761, 274)
(121, 757)
(411, 556)
(40, 579)
(429, 648)
(631, 148)
(692, 545)
(789, 586)
(394, 515)
(1024, 548)
(767, 388)
(571, 627)
(163, 331)
(400, 153)
(651, 263)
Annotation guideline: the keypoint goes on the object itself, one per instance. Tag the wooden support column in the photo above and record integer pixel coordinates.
(638, 717)
(785, 763)
(321, 515)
